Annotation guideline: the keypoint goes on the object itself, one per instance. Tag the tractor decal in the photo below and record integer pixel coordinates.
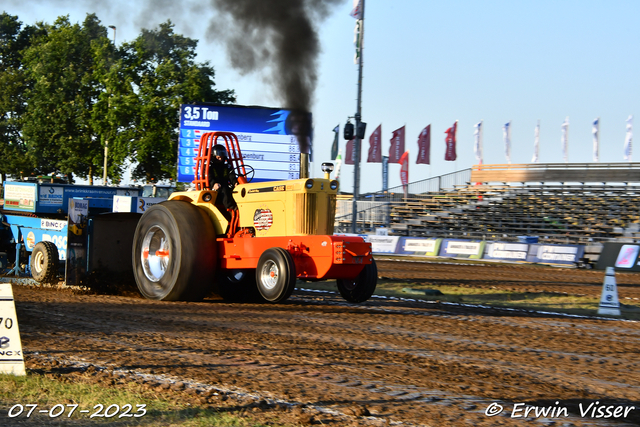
(262, 219)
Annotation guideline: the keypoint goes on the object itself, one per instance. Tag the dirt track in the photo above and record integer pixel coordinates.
(318, 360)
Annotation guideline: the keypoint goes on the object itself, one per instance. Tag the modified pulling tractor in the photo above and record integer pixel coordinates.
(281, 231)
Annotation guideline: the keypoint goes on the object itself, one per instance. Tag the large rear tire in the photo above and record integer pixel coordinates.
(44, 262)
(174, 252)
(276, 275)
(362, 287)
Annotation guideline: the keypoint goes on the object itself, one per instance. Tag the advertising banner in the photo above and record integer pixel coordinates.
(397, 145)
(424, 146)
(271, 139)
(383, 244)
(621, 256)
(375, 146)
(462, 248)
(557, 254)
(77, 241)
(506, 251)
(417, 246)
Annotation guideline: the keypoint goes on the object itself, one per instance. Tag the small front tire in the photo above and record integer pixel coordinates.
(276, 275)
(362, 287)
(44, 262)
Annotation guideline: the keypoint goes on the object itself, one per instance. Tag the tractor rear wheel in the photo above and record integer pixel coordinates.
(174, 252)
(276, 275)
(44, 262)
(361, 288)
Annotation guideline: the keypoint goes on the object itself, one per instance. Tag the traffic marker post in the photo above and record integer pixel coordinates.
(609, 304)
(11, 356)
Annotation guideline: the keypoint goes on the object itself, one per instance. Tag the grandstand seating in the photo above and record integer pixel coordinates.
(575, 213)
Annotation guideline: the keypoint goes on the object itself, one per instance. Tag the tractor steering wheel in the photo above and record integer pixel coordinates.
(248, 175)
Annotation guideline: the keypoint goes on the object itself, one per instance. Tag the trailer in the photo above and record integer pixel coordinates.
(52, 230)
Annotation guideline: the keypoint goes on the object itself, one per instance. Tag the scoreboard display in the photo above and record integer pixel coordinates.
(269, 137)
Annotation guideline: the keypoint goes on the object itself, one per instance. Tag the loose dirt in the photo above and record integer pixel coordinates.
(318, 360)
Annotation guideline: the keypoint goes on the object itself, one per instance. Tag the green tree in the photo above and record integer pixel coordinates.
(59, 126)
(14, 38)
(163, 74)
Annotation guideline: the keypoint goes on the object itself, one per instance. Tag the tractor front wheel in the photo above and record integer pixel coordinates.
(276, 275)
(44, 262)
(361, 288)
(174, 254)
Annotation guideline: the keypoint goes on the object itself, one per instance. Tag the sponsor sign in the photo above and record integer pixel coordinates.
(627, 256)
(507, 251)
(11, 357)
(20, 196)
(427, 247)
(134, 204)
(561, 254)
(462, 249)
(50, 195)
(52, 224)
(76, 266)
(383, 244)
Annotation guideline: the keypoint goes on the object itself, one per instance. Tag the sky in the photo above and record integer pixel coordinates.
(435, 62)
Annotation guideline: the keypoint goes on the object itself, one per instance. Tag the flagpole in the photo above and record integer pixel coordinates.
(357, 141)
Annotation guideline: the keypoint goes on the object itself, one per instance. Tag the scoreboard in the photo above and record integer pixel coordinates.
(266, 137)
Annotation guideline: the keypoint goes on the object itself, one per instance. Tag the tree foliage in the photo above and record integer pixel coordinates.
(14, 38)
(69, 91)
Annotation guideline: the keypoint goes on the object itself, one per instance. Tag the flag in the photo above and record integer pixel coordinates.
(595, 130)
(358, 38)
(424, 146)
(350, 157)
(375, 152)
(628, 139)
(334, 147)
(536, 143)
(397, 145)
(506, 134)
(564, 140)
(404, 171)
(450, 141)
(477, 141)
(338, 164)
(356, 12)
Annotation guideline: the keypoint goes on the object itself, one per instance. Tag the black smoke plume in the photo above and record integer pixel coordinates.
(281, 35)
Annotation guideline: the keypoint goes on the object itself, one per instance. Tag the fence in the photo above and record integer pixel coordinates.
(373, 208)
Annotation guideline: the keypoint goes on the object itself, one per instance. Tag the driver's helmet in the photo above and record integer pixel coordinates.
(219, 150)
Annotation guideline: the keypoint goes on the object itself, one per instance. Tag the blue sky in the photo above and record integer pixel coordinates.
(428, 62)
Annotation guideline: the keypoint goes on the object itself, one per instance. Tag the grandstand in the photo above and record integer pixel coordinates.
(575, 203)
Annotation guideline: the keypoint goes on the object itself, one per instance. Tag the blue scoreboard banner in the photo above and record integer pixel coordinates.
(269, 137)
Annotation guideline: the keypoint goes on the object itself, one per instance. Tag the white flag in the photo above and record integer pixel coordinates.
(358, 37)
(506, 133)
(564, 140)
(338, 164)
(536, 143)
(356, 12)
(595, 130)
(628, 139)
(477, 145)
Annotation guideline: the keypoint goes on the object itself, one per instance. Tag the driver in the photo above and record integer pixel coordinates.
(221, 176)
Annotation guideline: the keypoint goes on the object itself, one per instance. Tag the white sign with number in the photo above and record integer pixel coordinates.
(11, 357)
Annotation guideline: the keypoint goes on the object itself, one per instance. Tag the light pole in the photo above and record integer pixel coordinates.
(106, 142)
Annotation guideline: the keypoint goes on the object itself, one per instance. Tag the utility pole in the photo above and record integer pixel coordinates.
(106, 142)
(357, 141)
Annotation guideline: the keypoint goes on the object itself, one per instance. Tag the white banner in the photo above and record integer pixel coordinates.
(628, 139)
(595, 130)
(564, 140)
(477, 142)
(536, 143)
(506, 133)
